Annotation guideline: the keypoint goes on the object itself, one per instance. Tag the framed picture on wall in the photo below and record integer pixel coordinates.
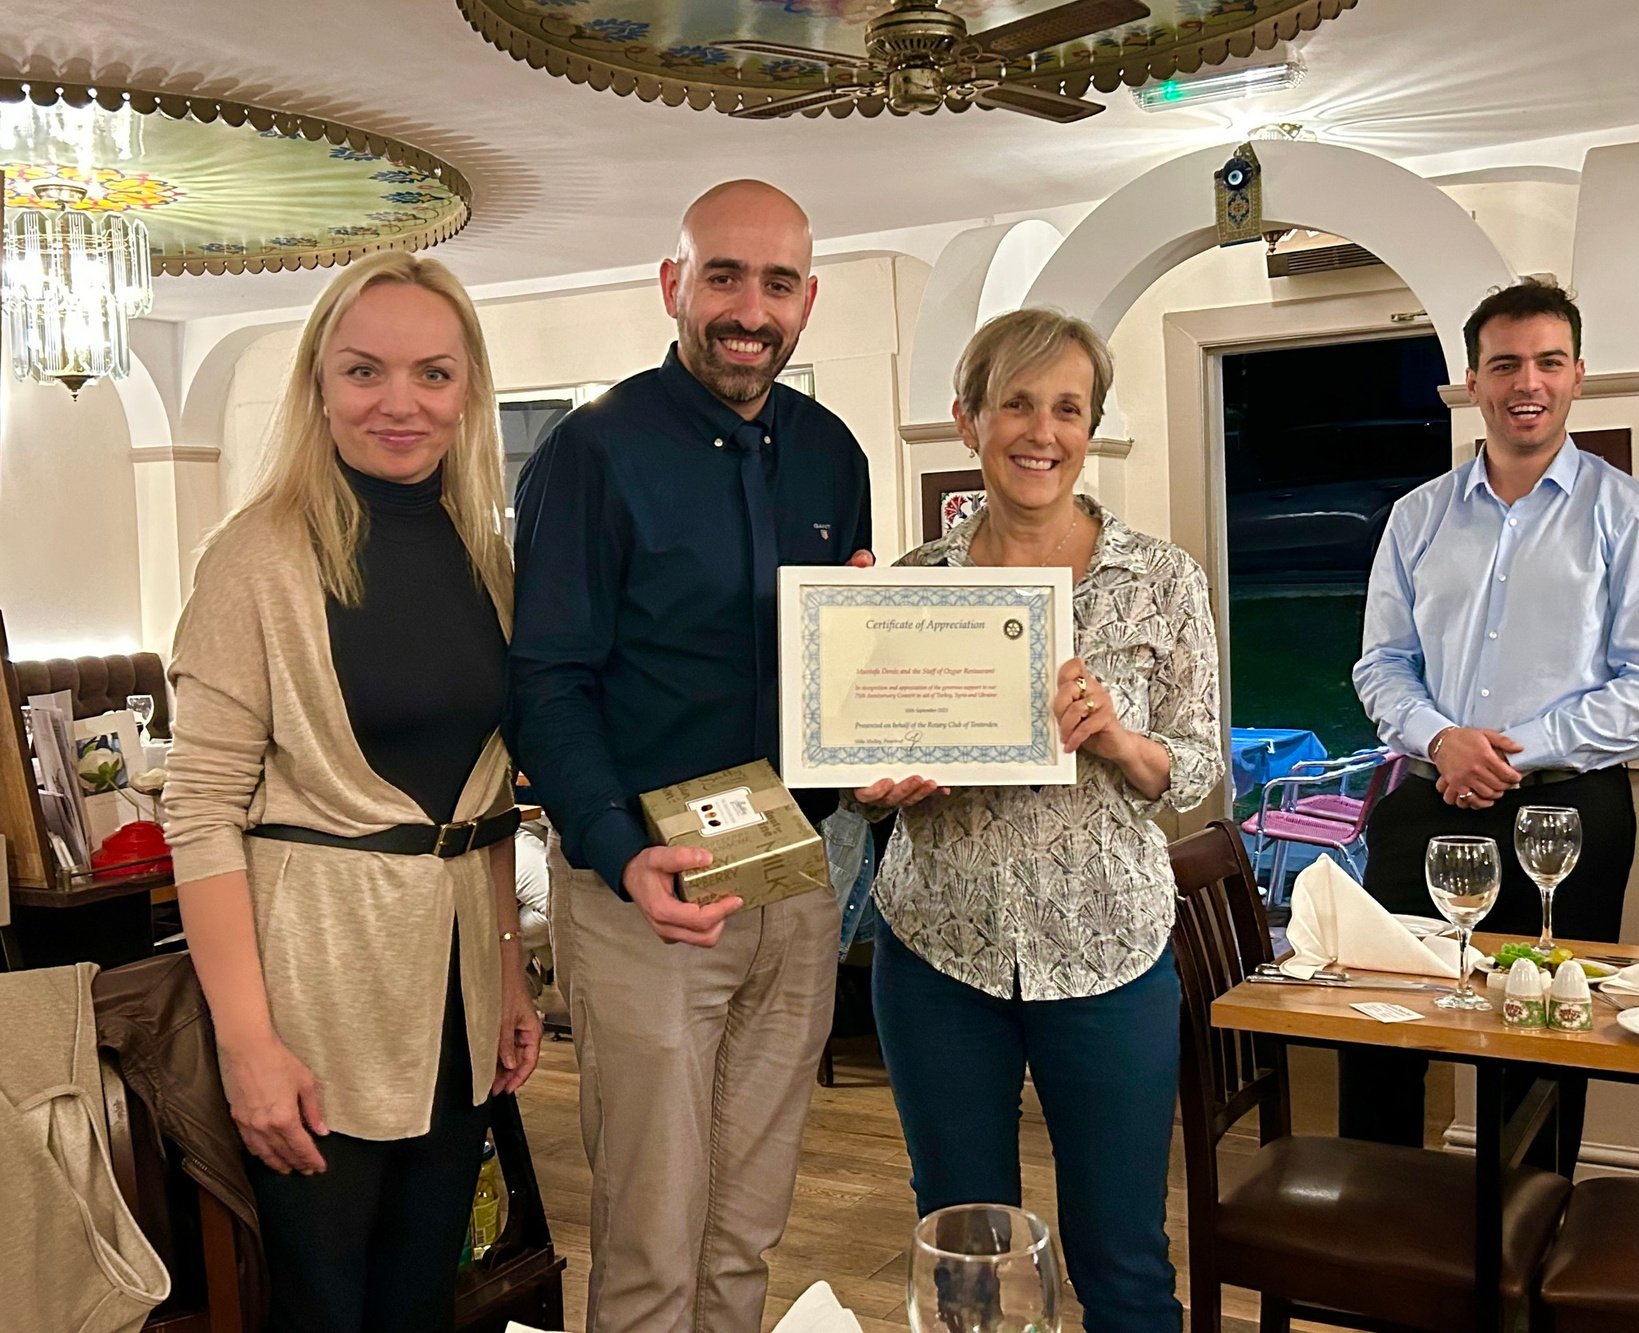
(948, 498)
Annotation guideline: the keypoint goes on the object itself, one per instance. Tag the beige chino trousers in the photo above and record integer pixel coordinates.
(696, 1070)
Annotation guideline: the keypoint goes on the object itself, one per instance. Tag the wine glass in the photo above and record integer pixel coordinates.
(1463, 876)
(142, 708)
(1548, 841)
(983, 1268)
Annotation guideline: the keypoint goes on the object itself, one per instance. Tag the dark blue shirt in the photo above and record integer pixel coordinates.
(633, 662)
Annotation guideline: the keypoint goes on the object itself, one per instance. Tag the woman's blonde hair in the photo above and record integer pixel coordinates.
(1009, 345)
(301, 480)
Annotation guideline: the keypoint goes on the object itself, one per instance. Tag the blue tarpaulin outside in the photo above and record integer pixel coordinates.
(1261, 754)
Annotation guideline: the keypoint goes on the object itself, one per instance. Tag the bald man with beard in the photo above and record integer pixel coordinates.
(650, 524)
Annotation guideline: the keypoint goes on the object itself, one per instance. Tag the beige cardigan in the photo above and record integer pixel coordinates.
(355, 946)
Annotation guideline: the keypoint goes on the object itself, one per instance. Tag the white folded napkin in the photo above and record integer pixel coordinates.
(1626, 980)
(818, 1310)
(1334, 920)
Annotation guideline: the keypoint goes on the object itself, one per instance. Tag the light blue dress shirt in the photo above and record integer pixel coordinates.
(1523, 618)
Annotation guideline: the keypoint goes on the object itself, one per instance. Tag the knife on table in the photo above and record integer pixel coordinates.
(1333, 983)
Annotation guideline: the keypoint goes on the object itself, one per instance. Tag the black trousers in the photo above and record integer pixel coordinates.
(371, 1245)
(1380, 1091)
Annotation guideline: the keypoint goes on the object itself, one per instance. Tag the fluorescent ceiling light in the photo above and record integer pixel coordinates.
(1246, 82)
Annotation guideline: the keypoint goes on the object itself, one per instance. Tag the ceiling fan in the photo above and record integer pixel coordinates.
(919, 55)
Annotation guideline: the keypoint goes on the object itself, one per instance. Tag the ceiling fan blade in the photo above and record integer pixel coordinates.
(784, 106)
(1038, 102)
(784, 52)
(1062, 23)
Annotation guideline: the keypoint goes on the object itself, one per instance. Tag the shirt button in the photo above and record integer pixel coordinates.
(718, 443)
(1492, 635)
(1513, 523)
(1485, 694)
(767, 440)
(1502, 578)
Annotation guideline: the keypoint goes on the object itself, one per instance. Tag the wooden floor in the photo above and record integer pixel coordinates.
(853, 1216)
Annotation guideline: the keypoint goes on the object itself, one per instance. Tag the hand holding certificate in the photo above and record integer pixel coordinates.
(946, 673)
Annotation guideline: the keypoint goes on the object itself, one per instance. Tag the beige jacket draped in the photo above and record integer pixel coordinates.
(355, 946)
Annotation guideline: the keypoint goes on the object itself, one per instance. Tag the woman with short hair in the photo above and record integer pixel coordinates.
(340, 808)
(1029, 927)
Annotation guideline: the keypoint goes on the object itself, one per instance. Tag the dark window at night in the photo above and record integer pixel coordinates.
(1319, 442)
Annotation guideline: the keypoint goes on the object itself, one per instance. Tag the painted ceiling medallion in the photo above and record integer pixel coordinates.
(761, 59)
(223, 187)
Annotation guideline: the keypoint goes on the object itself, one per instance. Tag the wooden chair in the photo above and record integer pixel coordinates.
(521, 1278)
(190, 1229)
(1590, 1283)
(1362, 1235)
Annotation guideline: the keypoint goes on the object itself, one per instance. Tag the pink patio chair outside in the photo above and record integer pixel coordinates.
(1287, 824)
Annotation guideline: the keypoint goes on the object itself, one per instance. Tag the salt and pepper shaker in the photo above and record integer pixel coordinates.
(1570, 1005)
(1523, 1005)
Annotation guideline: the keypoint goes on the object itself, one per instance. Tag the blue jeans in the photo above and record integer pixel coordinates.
(1106, 1071)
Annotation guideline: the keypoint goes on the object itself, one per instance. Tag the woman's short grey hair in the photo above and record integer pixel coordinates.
(1008, 346)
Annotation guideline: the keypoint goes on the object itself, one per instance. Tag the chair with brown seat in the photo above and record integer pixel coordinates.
(1590, 1283)
(1337, 1231)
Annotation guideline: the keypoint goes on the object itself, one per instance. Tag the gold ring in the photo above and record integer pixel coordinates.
(1081, 687)
(1091, 705)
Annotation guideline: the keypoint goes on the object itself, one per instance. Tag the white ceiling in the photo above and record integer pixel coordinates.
(572, 181)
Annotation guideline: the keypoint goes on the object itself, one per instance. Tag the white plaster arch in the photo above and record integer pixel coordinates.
(145, 414)
(1166, 216)
(210, 357)
(982, 272)
(1605, 265)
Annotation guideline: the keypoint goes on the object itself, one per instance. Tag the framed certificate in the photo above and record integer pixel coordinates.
(946, 673)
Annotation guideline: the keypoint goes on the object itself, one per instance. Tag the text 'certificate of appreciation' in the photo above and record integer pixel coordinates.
(942, 672)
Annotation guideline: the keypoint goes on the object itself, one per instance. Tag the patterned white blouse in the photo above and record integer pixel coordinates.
(1068, 888)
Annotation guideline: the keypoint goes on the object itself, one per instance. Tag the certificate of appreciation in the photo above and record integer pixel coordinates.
(946, 673)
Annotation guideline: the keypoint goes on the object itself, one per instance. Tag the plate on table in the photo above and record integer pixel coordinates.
(1422, 926)
(1628, 1020)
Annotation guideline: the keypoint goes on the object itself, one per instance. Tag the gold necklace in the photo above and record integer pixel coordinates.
(1068, 533)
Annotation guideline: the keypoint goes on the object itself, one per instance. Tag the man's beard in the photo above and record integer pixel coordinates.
(731, 382)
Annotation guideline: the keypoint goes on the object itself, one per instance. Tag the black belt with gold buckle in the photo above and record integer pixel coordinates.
(444, 841)
(1423, 769)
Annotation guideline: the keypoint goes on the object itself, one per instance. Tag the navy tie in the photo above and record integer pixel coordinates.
(756, 455)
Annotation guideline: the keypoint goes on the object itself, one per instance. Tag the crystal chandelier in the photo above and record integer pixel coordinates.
(72, 278)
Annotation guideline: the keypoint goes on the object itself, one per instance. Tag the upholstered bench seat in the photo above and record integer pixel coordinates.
(1591, 1280)
(1378, 1230)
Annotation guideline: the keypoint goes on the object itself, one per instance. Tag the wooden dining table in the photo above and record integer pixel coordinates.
(1323, 1016)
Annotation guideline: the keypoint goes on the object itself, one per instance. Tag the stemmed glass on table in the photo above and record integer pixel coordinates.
(1548, 841)
(1463, 874)
(142, 708)
(983, 1268)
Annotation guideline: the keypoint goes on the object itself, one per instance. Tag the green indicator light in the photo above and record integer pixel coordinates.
(1170, 91)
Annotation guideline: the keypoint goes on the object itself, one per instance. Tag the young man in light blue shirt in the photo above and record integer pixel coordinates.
(1501, 652)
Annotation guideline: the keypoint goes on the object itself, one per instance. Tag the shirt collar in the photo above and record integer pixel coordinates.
(1562, 471)
(713, 416)
(1118, 545)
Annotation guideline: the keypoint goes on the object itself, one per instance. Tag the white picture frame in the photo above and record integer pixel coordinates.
(953, 680)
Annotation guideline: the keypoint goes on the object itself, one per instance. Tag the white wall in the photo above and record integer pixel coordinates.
(69, 577)
(853, 343)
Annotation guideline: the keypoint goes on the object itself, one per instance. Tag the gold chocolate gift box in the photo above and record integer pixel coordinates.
(763, 848)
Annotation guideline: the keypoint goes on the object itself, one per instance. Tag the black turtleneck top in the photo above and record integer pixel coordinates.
(421, 659)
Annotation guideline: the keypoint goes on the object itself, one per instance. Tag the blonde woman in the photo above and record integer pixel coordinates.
(1028, 928)
(340, 806)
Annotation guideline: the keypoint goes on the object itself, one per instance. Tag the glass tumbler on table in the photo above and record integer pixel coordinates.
(1548, 841)
(983, 1268)
(1463, 876)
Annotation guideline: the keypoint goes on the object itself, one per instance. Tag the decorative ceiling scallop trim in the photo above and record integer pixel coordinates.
(1071, 70)
(181, 106)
